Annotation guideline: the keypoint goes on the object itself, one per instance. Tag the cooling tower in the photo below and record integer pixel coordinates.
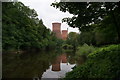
(64, 34)
(57, 29)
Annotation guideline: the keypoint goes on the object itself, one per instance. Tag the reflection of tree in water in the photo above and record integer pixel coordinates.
(81, 59)
(71, 58)
(26, 66)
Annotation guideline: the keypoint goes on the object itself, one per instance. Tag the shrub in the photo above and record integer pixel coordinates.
(103, 63)
(67, 46)
(84, 50)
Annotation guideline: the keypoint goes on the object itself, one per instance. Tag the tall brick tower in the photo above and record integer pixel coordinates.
(57, 29)
(64, 34)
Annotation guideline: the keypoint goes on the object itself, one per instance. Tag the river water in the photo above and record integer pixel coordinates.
(42, 65)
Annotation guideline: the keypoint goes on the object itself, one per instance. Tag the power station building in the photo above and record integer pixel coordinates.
(64, 34)
(57, 30)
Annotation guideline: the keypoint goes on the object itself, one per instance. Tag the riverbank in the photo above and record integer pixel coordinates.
(15, 51)
(102, 63)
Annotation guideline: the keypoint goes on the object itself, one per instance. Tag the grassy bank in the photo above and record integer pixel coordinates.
(102, 63)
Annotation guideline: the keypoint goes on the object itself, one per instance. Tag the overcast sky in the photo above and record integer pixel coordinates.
(48, 13)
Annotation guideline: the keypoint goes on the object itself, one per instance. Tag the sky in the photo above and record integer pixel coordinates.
(49, 14)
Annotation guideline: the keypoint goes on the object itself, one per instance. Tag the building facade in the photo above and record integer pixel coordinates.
(64, 34)
(56, 28)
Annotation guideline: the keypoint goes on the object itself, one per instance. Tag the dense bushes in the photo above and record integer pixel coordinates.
(103, 63)
(85, 50)
(82, 52)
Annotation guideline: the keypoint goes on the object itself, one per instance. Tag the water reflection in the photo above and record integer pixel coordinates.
(64, 58)
(36, 65)
(59, 68)
(56, 64)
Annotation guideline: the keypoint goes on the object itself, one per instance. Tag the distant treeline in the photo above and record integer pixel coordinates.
(22, 30)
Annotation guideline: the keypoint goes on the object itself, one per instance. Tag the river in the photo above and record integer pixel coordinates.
(41, 65)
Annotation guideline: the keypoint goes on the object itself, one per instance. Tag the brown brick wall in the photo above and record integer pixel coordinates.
(64, 34)
(57, 29)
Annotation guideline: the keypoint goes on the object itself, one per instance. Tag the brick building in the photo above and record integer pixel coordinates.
(57, 30)
(64, 34)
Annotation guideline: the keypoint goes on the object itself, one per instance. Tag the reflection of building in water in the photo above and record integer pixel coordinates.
(58, 69)
(63, 58)
(56, 65)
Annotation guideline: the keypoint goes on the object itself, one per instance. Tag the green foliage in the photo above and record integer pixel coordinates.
(99, 34)
(103, 63)
(23, 30)
(66, 46)
(85, 50)
(105, 33)
(72, 39)
(86, 37)
(59, 43)
(82, 53)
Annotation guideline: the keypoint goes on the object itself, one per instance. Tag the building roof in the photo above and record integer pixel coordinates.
(56, 23)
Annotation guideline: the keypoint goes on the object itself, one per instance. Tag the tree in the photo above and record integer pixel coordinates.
(105, 32)
(72, 40)
(22, 30)
(89, 13)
